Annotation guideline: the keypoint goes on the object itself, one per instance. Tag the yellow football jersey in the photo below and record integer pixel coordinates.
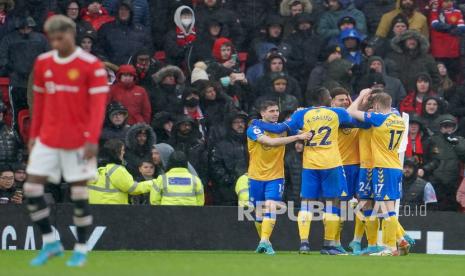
(364, 142)
(265, 162)
(386, 137)
(349, 145)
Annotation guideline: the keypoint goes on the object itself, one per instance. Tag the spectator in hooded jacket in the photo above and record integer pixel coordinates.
(290, 9)
(271, 39)
(416, 20)
(373, 11)
(444, 152)
(393, 85)
(339, 74)
(215, 104)
(410, 57)
(276, 63)
(130, 95)
(146, 65)
(225, 60)
(115, 125)
(141, 10)
(412, 103)
(202, 47)
(344, 23)
(72, 9)
(178, 42)
(122, 38)
(36, 9)
(209, 9)
(432, 108)
(278, 93)
(399, 25)
(417, 135)
(140, 139)
(351, 47)
(10, 145)
(328, 25)
(319, 74)
(162, 124)
(169, 87)
(306, 46)
(96, 14)
(18, 50)
(7, 18)
(447, 25)
(229, 158)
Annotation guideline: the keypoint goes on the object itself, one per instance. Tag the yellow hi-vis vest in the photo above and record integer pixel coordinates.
(242, 190)
(114, 184)
(177, 187)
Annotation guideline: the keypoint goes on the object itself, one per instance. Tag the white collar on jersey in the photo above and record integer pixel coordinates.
(67, 59)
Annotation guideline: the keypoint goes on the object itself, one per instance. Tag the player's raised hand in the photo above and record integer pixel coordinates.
(305, 136)
(365, 92)
(90, 151)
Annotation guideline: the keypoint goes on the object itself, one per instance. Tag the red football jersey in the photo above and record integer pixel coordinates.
(70, 95)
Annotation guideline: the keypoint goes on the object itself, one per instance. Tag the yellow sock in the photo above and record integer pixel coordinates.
(339, 230)
(390, 229)
(258, 226)
(304, 220)
(400, 233)
(371, 228)
(383, 232)
(267, 228)
(331, 226)
(359, 228)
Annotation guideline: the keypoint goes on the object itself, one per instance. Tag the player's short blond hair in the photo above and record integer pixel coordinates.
(59, 23)
(383, 99)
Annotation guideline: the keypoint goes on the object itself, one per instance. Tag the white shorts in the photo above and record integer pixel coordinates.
(54, 163)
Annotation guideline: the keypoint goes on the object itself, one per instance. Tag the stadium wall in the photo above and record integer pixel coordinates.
(207, 228)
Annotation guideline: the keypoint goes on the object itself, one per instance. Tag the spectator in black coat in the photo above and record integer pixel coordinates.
(215, 104)
(141, 10)
(18, 51)
(10, 145)
(169, 86)
(122, 38)
(202, 47)
(140, 139)
(162, 124)
(276, 63)
(187, 138)
(306, 46)
(228, 159)
(432, 108)
(287, 103)
(212, 9)
(7, 19)
(72, 9)
(146, 65)
(37, 9)
(319, 73)
(115, 125)
(8, 191)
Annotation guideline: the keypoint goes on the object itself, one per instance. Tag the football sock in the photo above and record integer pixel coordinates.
(332, 224)
(304, 221)
(258, 227)
(38, 210)
(400, 233)
(339, 230)
(371, 227)
(269, 220)
(390, 225)
(82, 217)
(359, 228)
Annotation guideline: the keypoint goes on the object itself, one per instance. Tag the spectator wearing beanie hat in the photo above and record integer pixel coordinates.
(132, 96)
(199, 73)
(115, 125)
(318, 74)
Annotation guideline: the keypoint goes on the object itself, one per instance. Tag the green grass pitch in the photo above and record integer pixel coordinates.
(138, 263)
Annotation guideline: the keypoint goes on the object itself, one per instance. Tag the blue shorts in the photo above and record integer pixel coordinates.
(260, 191)
(365, 184)
(329, 183)
(386, 184)
(352, 175)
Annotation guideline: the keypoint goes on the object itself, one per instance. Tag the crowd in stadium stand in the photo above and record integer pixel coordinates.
(187, 76)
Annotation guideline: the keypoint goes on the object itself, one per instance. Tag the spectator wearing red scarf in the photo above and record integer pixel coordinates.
(412, 103)
(417, 136)
(179, 41)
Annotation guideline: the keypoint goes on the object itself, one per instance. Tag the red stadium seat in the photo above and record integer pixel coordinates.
(5, 98)
(24, 124)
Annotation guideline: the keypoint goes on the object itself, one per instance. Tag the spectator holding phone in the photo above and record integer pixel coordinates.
(8, 191)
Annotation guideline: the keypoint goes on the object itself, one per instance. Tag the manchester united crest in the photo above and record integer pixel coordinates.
(73, 74)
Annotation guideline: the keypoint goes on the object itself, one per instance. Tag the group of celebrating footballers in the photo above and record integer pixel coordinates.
(351, 150)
